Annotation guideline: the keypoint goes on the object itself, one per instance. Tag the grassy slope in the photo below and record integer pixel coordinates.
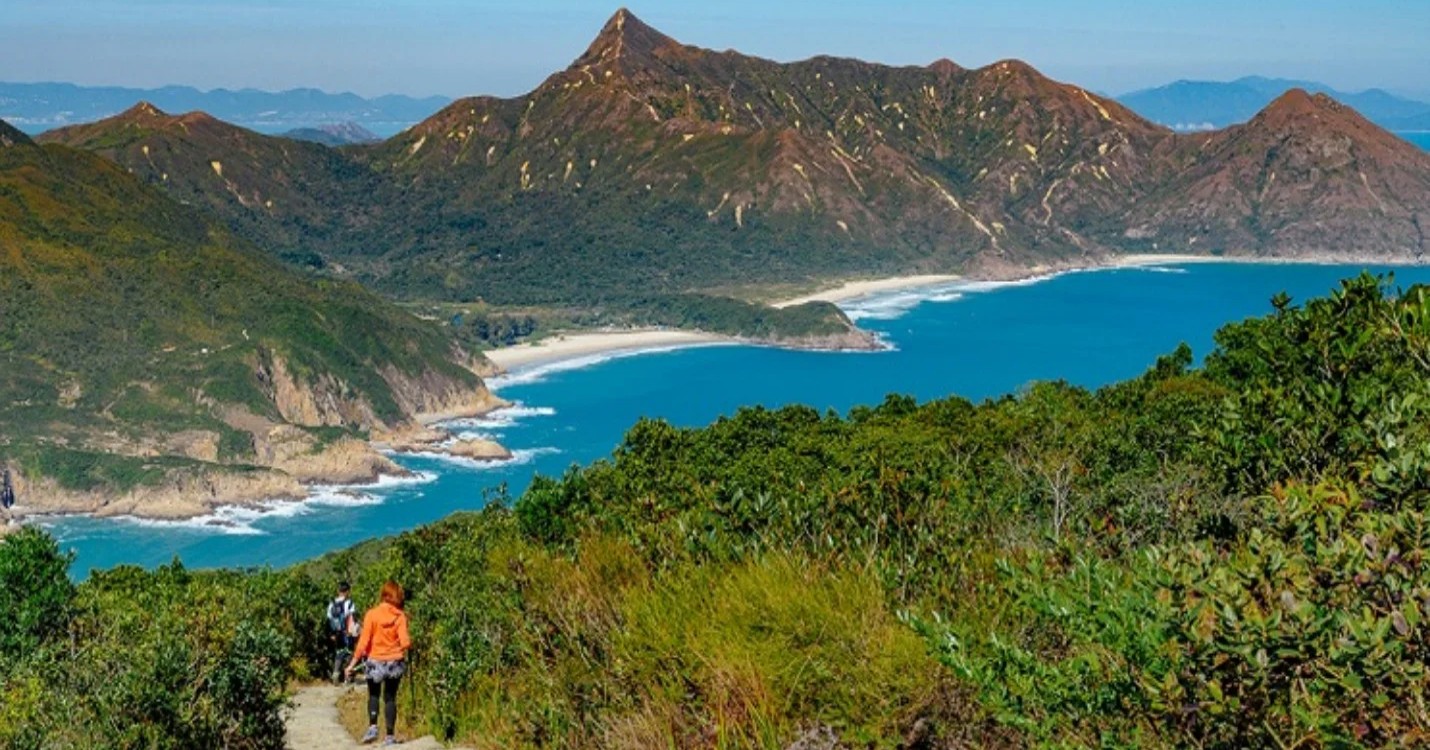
(122, 311)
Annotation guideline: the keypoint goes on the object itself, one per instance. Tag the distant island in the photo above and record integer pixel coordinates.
(37, 107)
(339, 134)
(1207, 105)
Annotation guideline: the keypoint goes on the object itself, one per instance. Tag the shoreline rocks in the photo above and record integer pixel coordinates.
(478, 450)
(292, 466)
(429, 439)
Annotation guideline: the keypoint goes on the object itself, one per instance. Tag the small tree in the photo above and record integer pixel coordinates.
(35, 591)
(1049, 451)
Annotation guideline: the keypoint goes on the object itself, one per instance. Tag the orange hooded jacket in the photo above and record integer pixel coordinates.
(384, 634)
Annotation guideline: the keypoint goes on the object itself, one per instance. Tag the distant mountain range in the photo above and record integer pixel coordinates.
(1205, 105)
(36, 107)
(652, 167)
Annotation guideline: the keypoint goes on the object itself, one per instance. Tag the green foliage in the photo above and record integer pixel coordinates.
(1223, 558)
(1336, 388)
(486, 329)
(162, 659)
(174, 322)
(1310, 625)
(759, 648)
(737, 317)
(35, 593)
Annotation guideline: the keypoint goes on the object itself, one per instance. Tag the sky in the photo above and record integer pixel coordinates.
(463, 47)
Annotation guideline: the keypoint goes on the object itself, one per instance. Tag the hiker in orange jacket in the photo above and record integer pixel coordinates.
(383, 643)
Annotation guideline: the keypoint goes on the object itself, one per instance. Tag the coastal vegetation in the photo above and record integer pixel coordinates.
(133, 330)
(484, 326)
(1231, 555)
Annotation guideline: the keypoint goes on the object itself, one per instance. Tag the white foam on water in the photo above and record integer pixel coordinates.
(343, 498)
(538, 373)
(387, 481)
(1157, 269)
(499, 419)
(992, 286)
(895, 305)
(519, 457)
(519, 410)
(232, 520)
(238, 520)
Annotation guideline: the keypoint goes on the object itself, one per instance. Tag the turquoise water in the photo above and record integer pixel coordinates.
(977, 341)
(1421, 139)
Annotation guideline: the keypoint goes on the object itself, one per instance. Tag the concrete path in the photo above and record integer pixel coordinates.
(313, 722)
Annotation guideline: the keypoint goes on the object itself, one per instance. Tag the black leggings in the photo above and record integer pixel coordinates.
(388, 690)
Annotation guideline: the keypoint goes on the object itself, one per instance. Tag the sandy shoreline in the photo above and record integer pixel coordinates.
(565, 347)
(575, 345)
(856, 289)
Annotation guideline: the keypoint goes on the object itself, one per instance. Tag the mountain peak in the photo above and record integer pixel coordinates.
(624, 37)
(945, 67)
(151, 116)
(142, 111)
(1298, 104)
(10, 136)
(1296, 100)
(197, 117)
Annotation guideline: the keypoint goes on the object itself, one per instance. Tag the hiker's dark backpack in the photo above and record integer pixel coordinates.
(338, 612)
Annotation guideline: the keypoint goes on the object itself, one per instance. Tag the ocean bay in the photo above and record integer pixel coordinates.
(970, 340)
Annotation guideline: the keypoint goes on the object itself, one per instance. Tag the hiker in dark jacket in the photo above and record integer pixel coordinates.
(342, 628)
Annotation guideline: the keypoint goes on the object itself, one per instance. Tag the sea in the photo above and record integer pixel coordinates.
(973, 340)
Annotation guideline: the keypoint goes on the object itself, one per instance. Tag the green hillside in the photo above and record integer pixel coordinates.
(1225, 557)
(128, 321)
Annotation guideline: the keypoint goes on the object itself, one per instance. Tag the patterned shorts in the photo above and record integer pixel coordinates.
(381, 671)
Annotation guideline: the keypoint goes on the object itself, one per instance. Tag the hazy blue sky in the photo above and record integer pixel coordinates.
(458, 47)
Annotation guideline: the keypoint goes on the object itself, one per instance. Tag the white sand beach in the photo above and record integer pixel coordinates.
(563, 347)
(1158, 259)
(571, 346)
(855, 289)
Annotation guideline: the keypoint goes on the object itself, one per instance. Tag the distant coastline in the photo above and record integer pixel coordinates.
(183, 505)
(588, 344)
(584, 344)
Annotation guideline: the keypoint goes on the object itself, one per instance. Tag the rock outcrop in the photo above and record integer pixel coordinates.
(478, 450)
(181, 495)
(435, 440)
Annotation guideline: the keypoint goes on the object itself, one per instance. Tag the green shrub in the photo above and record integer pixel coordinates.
(35, 593)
